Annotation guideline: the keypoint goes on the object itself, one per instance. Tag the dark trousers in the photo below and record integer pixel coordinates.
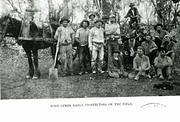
(84, 58)
(152, 56)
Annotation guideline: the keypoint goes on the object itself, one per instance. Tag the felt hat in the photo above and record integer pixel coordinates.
(84, 21)
(64, 19)
(98, 20)
(105, 17)
(92, 14)
(131, 4)
(155, 27)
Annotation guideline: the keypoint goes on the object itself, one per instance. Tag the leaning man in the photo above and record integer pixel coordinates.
(65, 34)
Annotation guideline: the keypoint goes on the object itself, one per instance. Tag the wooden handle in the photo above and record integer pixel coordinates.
(57, 49)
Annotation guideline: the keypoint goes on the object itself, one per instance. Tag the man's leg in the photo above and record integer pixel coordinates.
(140, 73)
(62, 58)
(160, 73)
(80, 59)
(69, 58)
(101, 58)
(86, 59)
(169, 73)
(93, 59)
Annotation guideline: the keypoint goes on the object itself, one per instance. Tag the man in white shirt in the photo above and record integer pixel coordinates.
(65, 34)
(112, 30)
(96, 46)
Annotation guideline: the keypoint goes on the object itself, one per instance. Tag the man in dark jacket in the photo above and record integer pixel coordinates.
(133, 14)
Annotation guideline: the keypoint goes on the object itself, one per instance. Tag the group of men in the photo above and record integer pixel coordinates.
(95, 37)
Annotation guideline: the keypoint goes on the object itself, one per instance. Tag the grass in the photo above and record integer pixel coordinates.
(13, 69)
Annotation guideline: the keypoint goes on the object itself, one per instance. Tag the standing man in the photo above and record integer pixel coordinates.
(112, 31)
(81, 37)
(92, 20)
(96, 46)
(65, 34)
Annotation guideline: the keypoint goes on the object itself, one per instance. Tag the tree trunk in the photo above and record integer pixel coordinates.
(50, 4)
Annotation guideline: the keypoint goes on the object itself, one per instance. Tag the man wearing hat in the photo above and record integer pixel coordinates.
(92, 20)
(65, 34)
(112, 30)
(159, 34)
(82, 35)
(150, 48)
(163, 63)
(96, 46)
(141, 64)
(133, 14)
(117, 67)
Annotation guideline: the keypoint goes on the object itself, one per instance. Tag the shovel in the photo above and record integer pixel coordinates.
(53, 72)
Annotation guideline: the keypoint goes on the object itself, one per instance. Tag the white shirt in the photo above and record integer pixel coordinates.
(112, 28)
(64, 34)
(96, 35)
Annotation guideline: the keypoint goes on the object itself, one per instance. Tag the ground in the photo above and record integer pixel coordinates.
(13, 68)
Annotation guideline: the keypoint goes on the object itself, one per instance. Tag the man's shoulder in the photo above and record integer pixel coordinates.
(145, 57)
(168, 58)
(143, 43)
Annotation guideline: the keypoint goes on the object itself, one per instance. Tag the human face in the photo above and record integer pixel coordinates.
(92, 17)
(140, 52)
(84, 24)
(159, 28)
(148, 38)
(115, 55)
(65, 23)
(99, 24)
(113, 19)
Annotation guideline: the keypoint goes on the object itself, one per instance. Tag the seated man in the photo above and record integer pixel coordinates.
(150, 48)
(163, 63)
(133, 14)
(117, 68)
(169, 45)
(141, 64)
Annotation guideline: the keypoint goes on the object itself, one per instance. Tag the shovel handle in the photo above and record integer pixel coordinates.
(57, 49)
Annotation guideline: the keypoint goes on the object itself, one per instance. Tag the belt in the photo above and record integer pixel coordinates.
(97, 42)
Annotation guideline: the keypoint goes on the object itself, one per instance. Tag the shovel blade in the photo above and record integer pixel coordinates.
(53, 74)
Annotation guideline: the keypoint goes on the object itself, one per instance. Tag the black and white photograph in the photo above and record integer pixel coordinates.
(89, 48)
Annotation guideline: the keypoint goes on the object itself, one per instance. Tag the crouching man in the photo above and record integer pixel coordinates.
(141, 64)
(164, 64)
(117, 68)
(96, 46)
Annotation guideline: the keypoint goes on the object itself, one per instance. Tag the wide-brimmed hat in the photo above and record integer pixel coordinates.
(131, 4)
(105, 17)
(159, 24)
(84, 21)
(92, 14)
(64, 19)
(98, 20)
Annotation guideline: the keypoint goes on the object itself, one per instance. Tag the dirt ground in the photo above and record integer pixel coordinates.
(13, 68)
